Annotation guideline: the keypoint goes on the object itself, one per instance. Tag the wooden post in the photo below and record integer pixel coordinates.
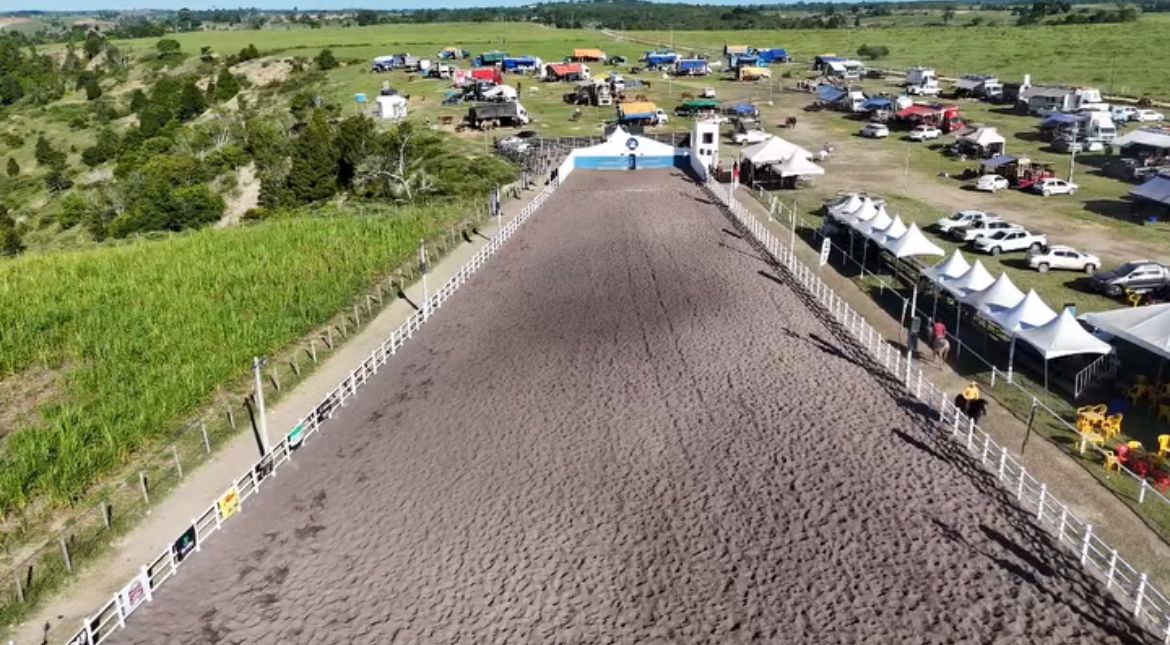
(104, 508)
(329, 337)
(19, 586)
(178, 464)
(142, 483)
(206, 441)
(292, 362)
(272, 379)
(370, 305)
(357, 316)
(313, 349)
(65, 553)
(231, 417)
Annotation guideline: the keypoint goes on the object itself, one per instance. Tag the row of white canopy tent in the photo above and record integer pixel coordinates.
(869, 218)
(1024, 316)
(783, 157)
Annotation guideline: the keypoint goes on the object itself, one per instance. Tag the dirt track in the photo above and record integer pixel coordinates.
(624, 431)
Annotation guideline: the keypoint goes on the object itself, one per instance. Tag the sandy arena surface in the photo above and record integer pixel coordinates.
(625, 431)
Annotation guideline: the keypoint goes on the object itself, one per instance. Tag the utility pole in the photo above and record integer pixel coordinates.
(1072, 159)
(261, 420)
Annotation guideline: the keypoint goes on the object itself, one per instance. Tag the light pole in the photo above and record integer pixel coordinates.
(261, 418)
(1072, 159)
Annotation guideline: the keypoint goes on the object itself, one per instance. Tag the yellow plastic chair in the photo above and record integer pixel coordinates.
(1163, 445)
(1136, 393)
(1085, 425)
(1164, 412)
(1095, 439)
(1111, 462)
(1135, 445)
(1111, 426)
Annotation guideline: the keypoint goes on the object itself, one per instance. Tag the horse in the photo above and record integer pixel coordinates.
(975, 409)
(687, 95)
(640, 97)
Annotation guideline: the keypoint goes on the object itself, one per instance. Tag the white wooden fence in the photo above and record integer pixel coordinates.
(1128, 585)
(139, 590)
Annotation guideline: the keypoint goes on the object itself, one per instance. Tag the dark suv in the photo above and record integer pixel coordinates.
(1140, 276)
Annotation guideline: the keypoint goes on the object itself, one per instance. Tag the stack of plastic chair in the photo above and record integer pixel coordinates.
(1112, 460)
(1163, 445)
(1111, 426)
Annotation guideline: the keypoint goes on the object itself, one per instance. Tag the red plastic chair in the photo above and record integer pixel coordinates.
(1140, 467)
(1123, 454)
(1161, 481)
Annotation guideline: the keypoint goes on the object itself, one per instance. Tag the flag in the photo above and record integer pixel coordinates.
(422, 258)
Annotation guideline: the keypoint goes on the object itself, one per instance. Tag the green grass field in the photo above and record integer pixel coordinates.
(139, 336)
(1106, 56)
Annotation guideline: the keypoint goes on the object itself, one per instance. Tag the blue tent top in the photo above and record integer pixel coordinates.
(997, 161)
(877, 104)
(1156, 189)
(773, 54)
(830, 93)
(742, 108)
(692, 63)
(1059, 119)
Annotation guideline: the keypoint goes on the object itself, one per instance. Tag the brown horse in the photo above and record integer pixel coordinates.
(687, 95)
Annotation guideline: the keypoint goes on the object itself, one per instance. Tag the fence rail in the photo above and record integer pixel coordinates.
(1129, 586)
(191, 538)
(1105, 367)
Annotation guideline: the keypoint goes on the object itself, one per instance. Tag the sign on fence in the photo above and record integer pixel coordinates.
(134, 594)
(825, 246)
(295, 436)
(229, 503)
(264, 467)
(186, 543)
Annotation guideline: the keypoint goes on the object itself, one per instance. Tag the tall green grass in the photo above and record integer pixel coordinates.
(144, 333)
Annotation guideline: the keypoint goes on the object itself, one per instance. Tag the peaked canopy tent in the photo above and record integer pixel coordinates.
(986, 142)
(1003, 294)
(799, 166)
(910, 243)
(1146, 327)
(951, 268)
(974, 280)
(1057, 338)
(879, 222)
(773, 150)
(843, 204)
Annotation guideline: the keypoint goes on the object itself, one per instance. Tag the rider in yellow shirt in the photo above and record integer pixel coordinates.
(971, 393)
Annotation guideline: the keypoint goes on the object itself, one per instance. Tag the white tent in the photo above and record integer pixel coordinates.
(878, 222)
(1028, 313)
(1147, 327)
(866, 211)
(1002, 294)
(912, 242)
(391, 107)
(773, 150)
(894, 227)
(948, 269)
(976, 279)
(845, 204)
(799, 166)
(1063, 336)
(984, 137)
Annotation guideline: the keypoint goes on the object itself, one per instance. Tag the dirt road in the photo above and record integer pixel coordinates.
(626, 431)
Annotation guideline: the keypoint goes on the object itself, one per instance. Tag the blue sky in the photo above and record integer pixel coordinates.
(94, 5)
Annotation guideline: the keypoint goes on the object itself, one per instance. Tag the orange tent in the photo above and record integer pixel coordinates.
(588, 54)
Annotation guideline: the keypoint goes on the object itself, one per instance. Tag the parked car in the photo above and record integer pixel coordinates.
(708, 93)
(975, 231)
(1009, 240)
(1053, 186)
(875, 131)
(1062, 257)
(749, 136)
(962, 218)
(1123, 113)
(1148, 115)
(1140, 276)
(924, 90)
(925, 133)
(1067, 144)
(991, 183)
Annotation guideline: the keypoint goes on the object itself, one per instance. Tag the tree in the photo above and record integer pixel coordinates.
(167, 47)
(366, 17)
(10, 90)
(93, 91)
(103, 149)
(93, 45)
(153, 119)
(46, 155)
(10, 242)
(192, 103)
(56, 181)
(249, 53)
(13, 167)
(873, 52)
(325, 60)
(948, 15)
(138, 101)
(226, 85)
(313, 175)
(353, 139)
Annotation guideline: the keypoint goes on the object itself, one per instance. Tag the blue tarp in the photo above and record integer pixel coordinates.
(1155, 190)
(997, 161)
(523, 61)
(742, 109)
(1059, 119)
(661, 59)
(746, 61)
(772, 55)
(877, 104)
(691, 65)
(830, 93)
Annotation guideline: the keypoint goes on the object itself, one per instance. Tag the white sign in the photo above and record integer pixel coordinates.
(825, 246)
(134, 594)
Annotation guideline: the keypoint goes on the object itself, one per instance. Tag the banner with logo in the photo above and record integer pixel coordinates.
(229, 503)
(186, 543)
(134, 594)
(295, 437)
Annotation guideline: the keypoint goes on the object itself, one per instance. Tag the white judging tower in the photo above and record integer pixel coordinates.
(705, 142)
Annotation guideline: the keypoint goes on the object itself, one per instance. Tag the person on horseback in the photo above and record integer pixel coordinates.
(971, 393)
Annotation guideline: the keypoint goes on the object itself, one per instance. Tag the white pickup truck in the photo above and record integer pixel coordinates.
(981, 229)
(963, 218)
(1010, 240)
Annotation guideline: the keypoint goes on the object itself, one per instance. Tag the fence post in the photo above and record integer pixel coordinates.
(1002, 462)
(1112, 569)
(1141, 596)
(1085, 544)
(1063, 520)
(178, 464)
(1020, 485)
(231, 417)
(970, 432)
(19, 587)
(105, 509)
(993, 371)
(1040, 504)
(313, 349)
(142, 484)
(1142, 492)
(65, 553)
(206, 441)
